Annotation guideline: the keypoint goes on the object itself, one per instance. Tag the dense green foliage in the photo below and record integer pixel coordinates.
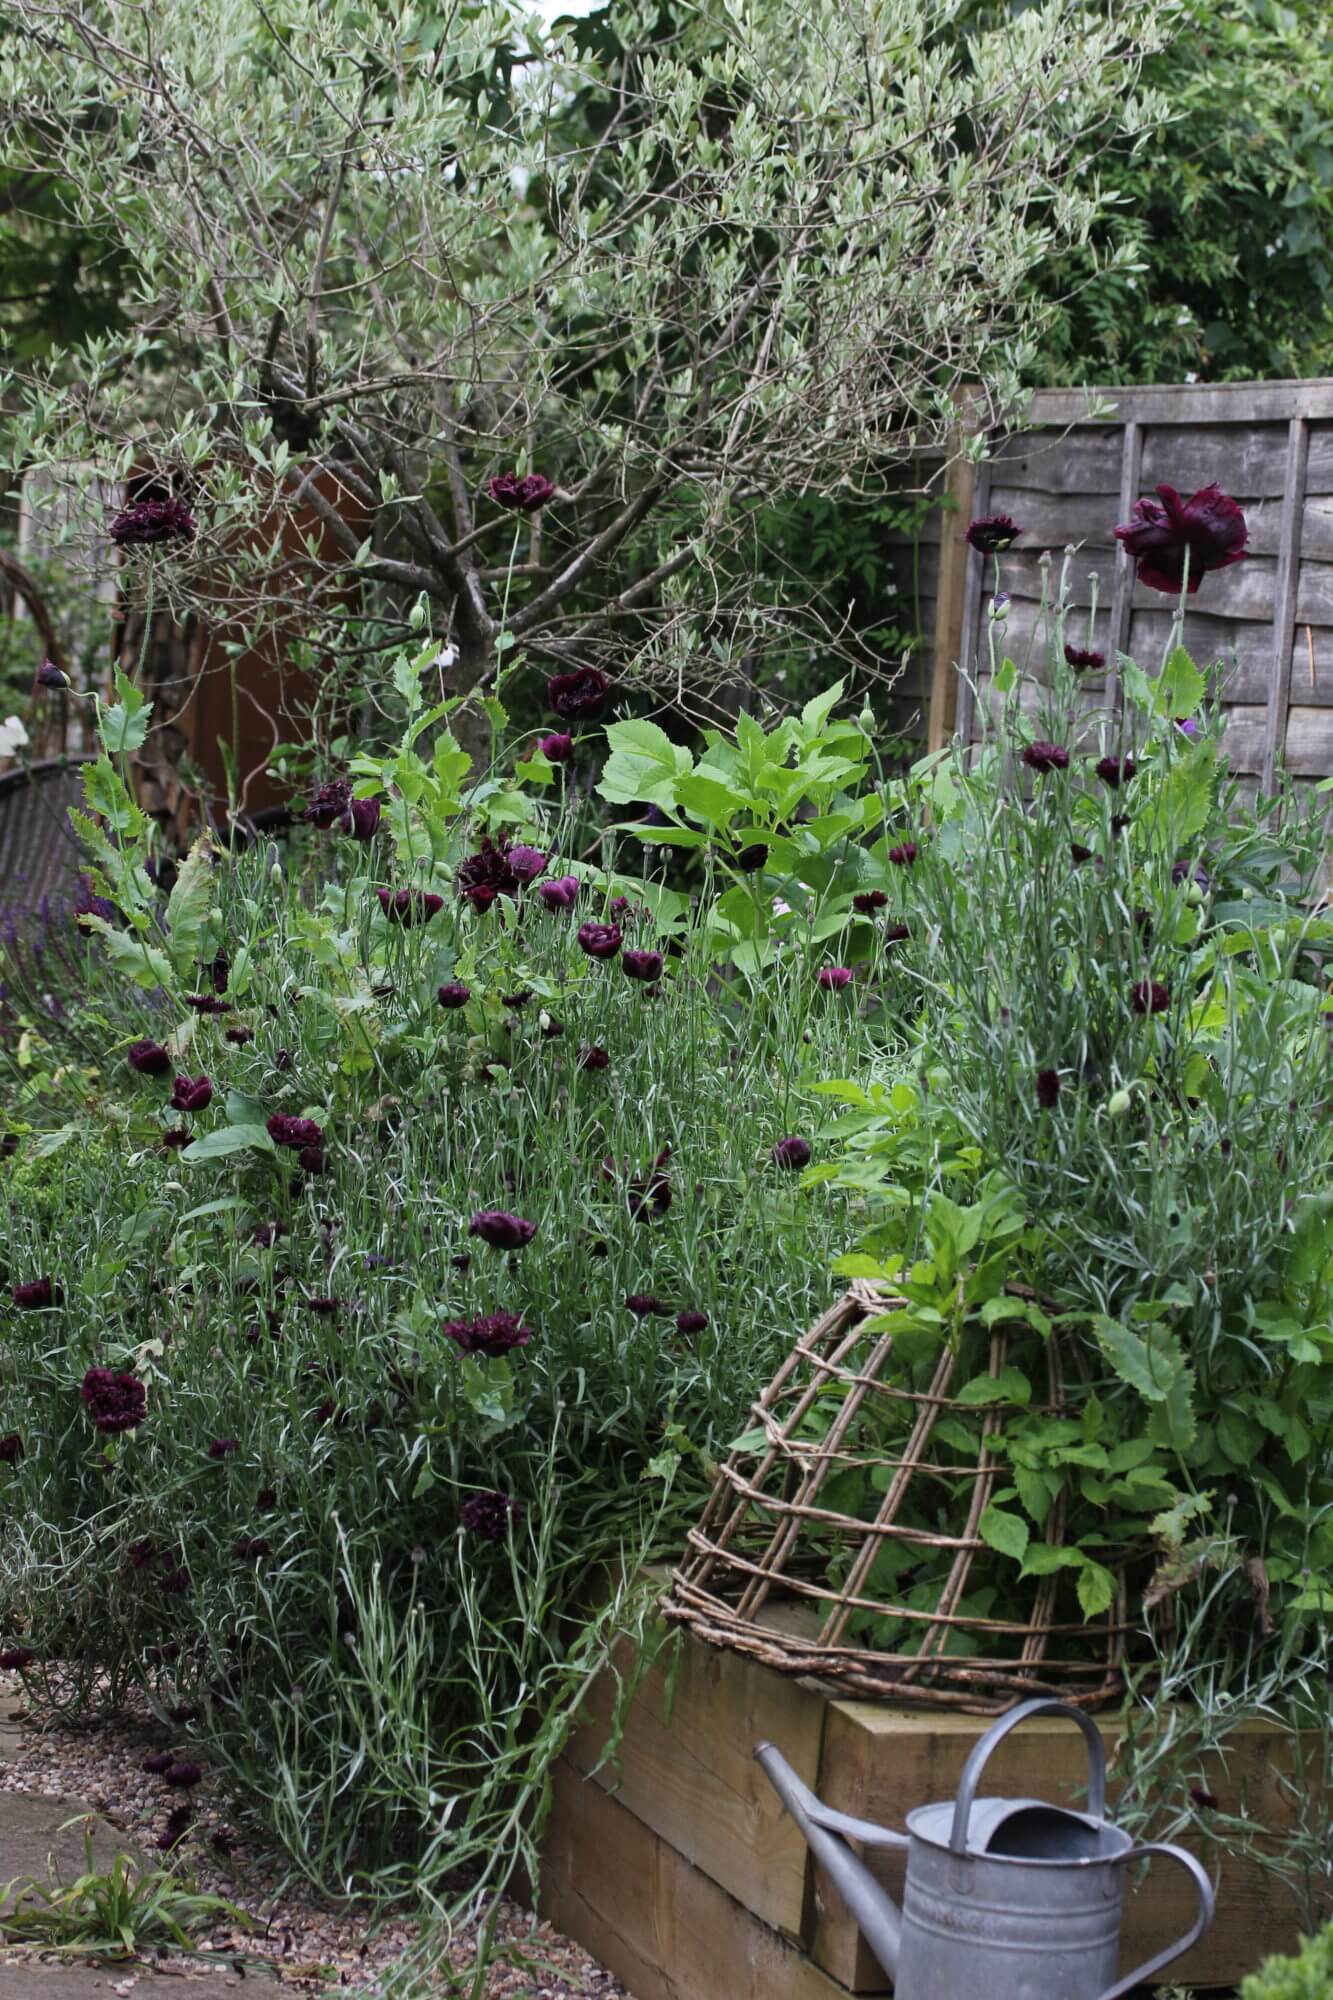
(1307, 1976)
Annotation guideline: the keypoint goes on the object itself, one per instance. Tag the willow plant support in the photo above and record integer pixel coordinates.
(774, 1569)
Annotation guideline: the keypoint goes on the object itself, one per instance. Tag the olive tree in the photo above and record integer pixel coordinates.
(680, 260)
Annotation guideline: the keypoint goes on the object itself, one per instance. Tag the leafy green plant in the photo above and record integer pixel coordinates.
(1307, 1976)
(112, 1914)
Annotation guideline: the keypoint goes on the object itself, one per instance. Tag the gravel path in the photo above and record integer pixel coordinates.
(309, 1944)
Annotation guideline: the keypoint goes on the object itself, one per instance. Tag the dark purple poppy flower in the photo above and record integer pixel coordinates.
(560, 893)
(325, 1307)
(501, 1229)
(409, 906)
(1149, 996)
(649, 1194)
(557, 748)
(284, 1130)
(991, 533)
(116, 1402)
(364, 817)
(904, 855)
(1208, 1800)
(266, 1499)
(493, 1335)
(752, 858)
(157, 1763)
(1115, 771)
(141, 1554)
(480, 898)
(454, 995)
(148, 1058)
(643, 965)
(1208, 529)
(34, 1297)
(866, 901)
(599, 940)
(1048, 1088)
(17, 1659)
(1119, 821)
(691, 1321)
(595, 1057)
(1042, 756)
(1083, 660)
(516, 1000)
(523, 492)
(791, 1153)
(223, 1447)
(49, 675)
(833, 978)
(896, 933)
(207, 1003)
(192, 1093)
(580, 696)
(184, 1776)
(1078, 853)
(329, 804)
(240, 1036)
(489, 1515)
(527, 863)
(11, 1448)
(251, 1547)
(645, 1306)
(152, 523)
(310, 1159)
(178, 1137)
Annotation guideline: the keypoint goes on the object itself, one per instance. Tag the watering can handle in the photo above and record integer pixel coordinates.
(1203, 1918)
(1041, 1705)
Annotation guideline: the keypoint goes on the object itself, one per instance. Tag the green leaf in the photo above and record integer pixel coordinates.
(190, 905)
(535, 770)
(1044, 1558)
(1008, 1533)
(407, 672)
(1152, 1362)
(1006, 674)
(1180, 686)
(131, 954)
(225, 1140)
(817, 710)
(711, 799)
(1035, 1492)
(1096, 1588)
(1009, 1386)
(242, 1109)
(124, 727)
(644, 765)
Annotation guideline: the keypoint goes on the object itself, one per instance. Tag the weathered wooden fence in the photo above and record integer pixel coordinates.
(1068, 478)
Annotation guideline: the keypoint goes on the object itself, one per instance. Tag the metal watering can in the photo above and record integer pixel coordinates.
(1006, 1899)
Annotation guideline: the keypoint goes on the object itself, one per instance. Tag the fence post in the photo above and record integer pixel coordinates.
(960, 491)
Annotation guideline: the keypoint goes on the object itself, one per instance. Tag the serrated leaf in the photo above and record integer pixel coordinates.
(1009, 1386)
(644, 765)
(190, 905)
(818, 709)
(130, 952)
(1180, 686)
(1008, 1533)
(1151, 1362)
(124, 726)
(710, 799)
(1044, 1558)
(1096, 1588)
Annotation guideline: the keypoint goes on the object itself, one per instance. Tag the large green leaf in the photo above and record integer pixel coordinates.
(1180, 686)
(1151, 1362)
(225, 1140)
(1008, 1533)
(124, 727)
(190, 906)
(132, 954)
(644, 765)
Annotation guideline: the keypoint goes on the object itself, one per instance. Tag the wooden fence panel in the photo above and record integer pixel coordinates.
(1265, 625)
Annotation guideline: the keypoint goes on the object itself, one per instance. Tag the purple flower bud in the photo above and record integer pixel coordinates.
(991, 533)
(561, 893)
(148, 1058)
(17, 1659)
(866, 901)
(645, 1306)
(49, 675)
(454, 995)
(642, 965)
(1149, 997)
(35, 1297)
(791, 1153)
(363, 818)
(1048, 1088)
(223, 1447)
(833, 978)
(1084, 661)
(595, 1057)
(904, 855)
(310, 1159)
(240, 1036)
(599, 940)
(157, 1763)
(557, 748)
(579, 696)
(207, 1003)
(177, 1138)
(493, 1336)
(409, 906)
(896, 933)
(691, 1321)
(115, 1402)
(11, 1448)
(752, 858)
(183, 1776)
(522, 493)
(1187, 725)
(1078, 853)
(1042, 756)
(501, 1229)
(192, 1093)
(1115, 771)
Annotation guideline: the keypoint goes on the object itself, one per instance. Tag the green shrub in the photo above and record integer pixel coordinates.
(1308, 1976)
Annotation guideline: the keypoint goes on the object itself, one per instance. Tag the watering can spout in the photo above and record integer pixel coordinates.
(826, 1834)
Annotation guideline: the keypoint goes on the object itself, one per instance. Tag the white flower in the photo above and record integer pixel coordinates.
(13, 736)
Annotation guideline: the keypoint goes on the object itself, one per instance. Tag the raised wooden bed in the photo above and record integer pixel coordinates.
(679, 1870)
